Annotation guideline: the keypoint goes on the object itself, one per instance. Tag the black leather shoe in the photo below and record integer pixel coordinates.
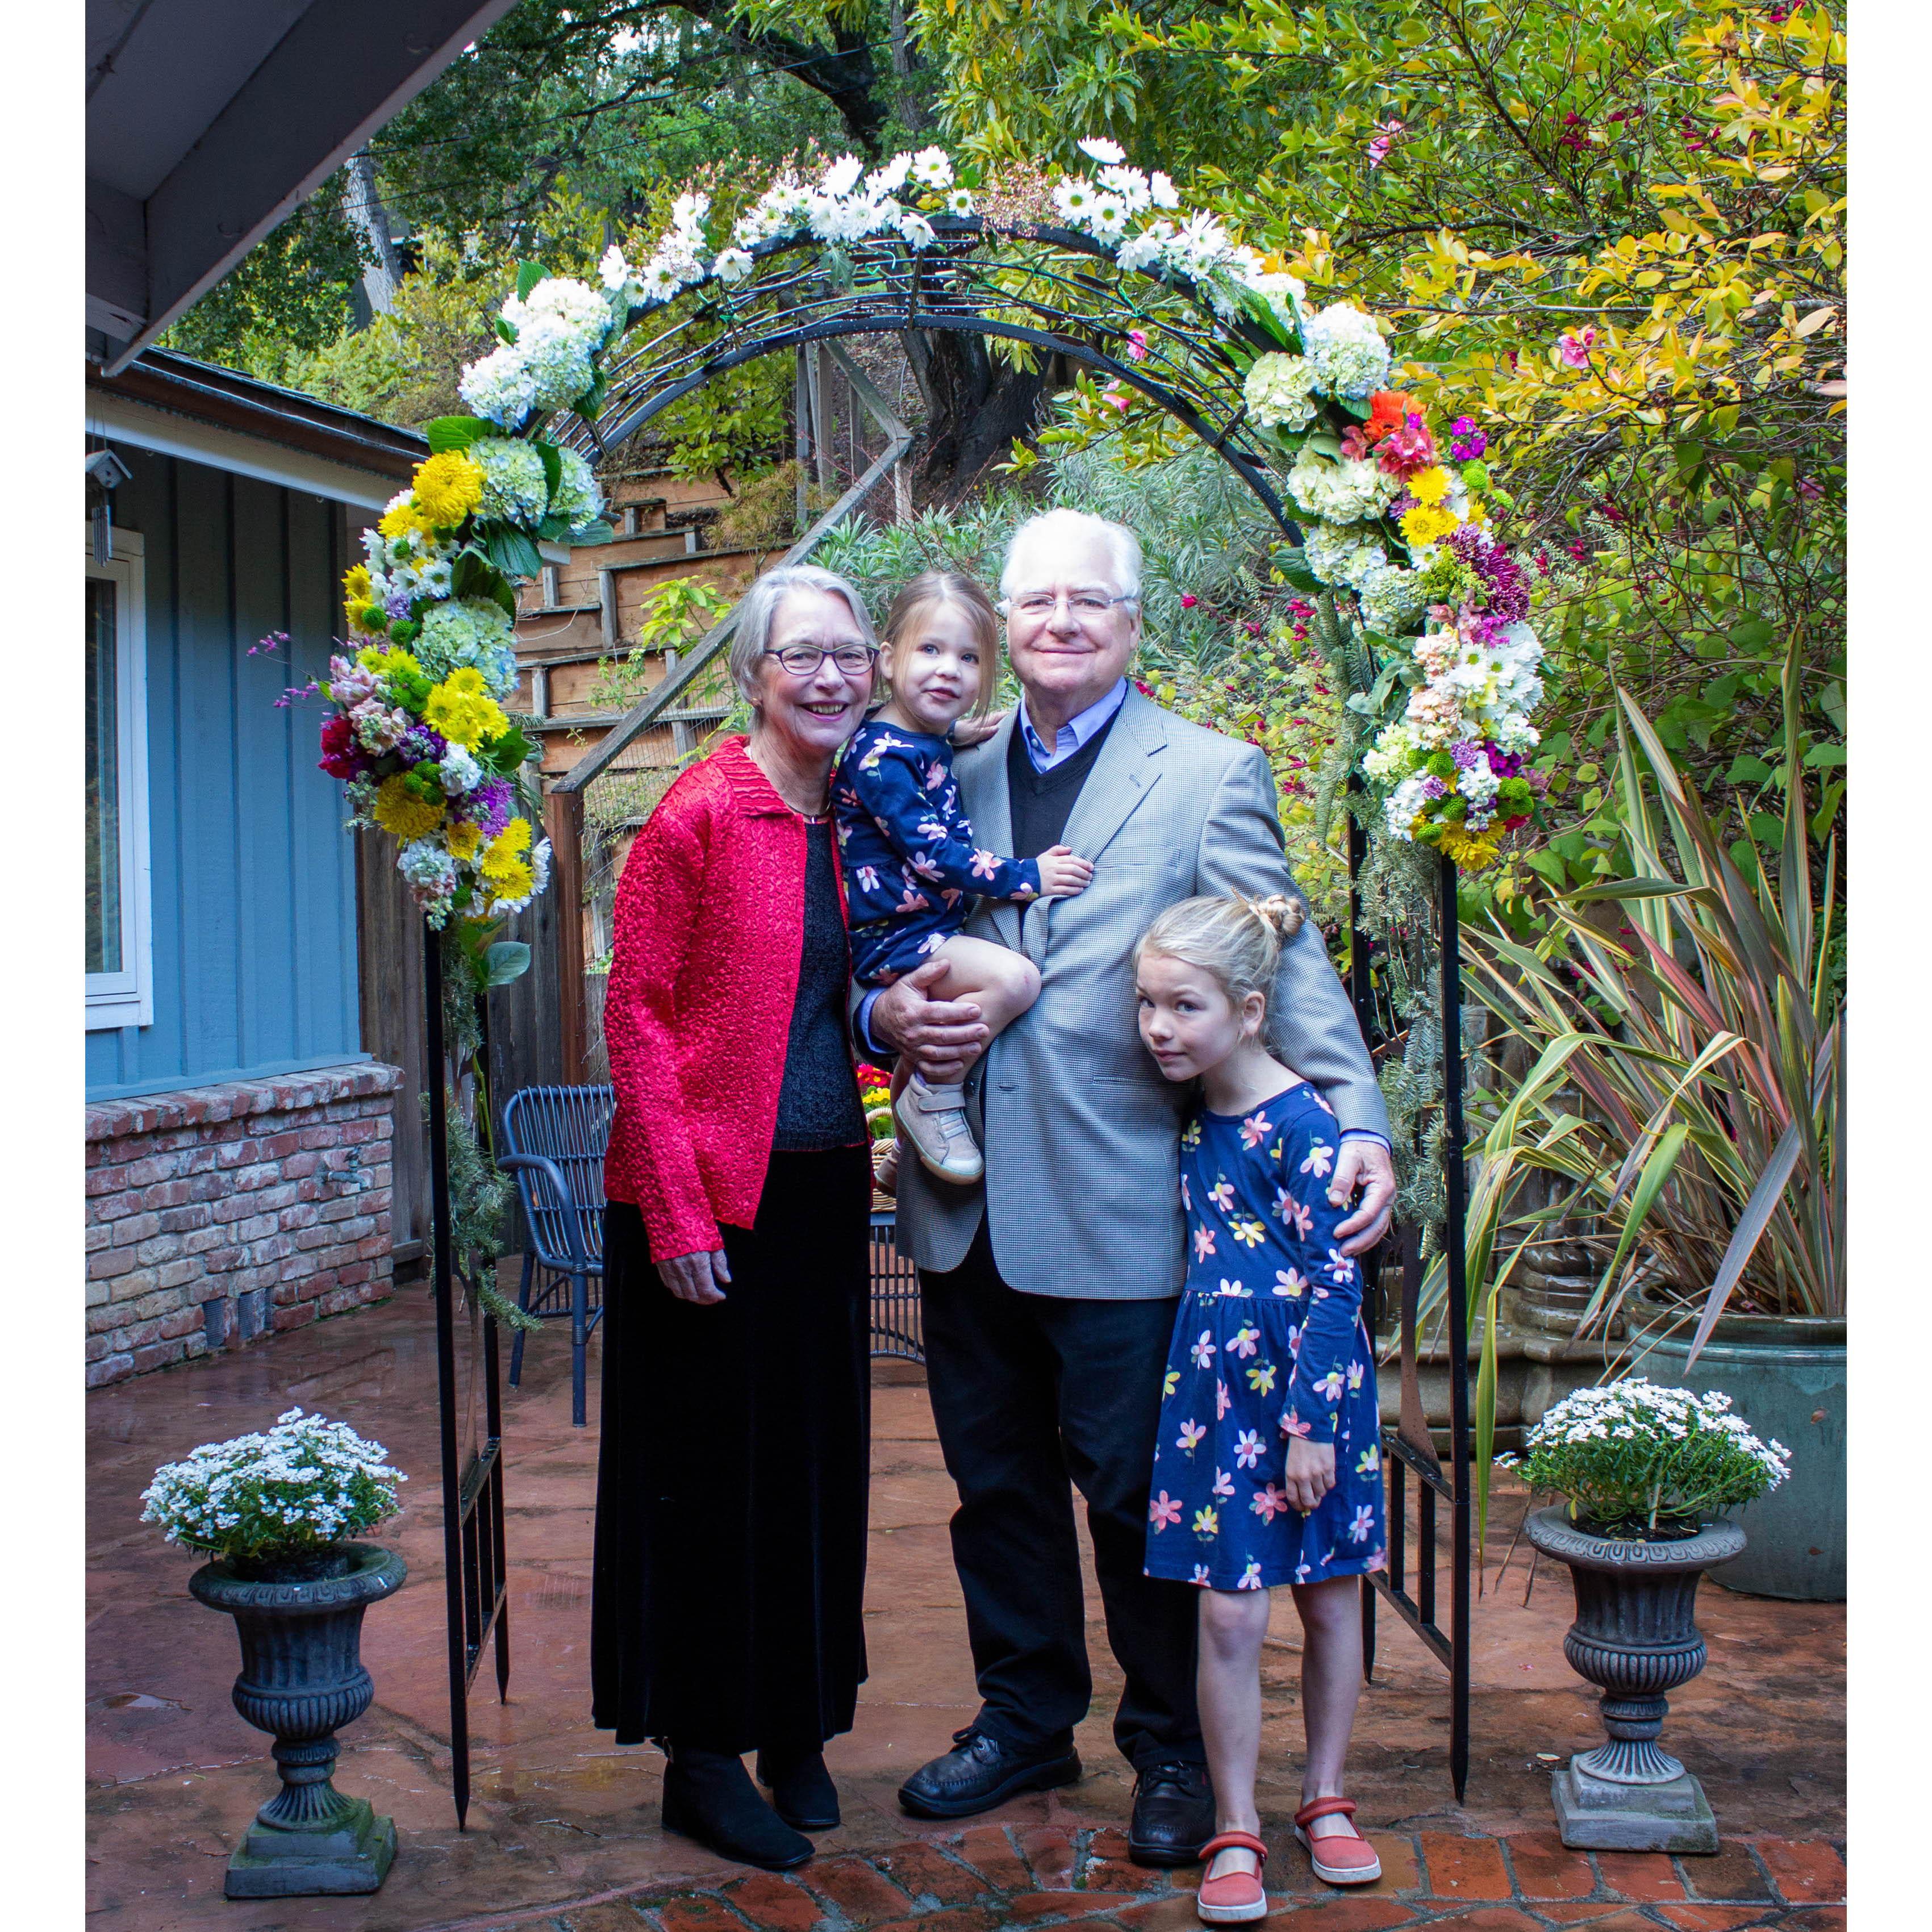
(802, 1793)
(980, 1772)
(1173, 1814)
(711, 1797)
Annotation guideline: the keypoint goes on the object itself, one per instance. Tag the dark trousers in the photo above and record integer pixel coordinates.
(1029, 1390)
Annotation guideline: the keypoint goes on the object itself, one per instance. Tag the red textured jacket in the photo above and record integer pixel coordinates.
(710, 923)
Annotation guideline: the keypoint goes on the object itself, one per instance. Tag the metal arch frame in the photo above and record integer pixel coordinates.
(894, 305)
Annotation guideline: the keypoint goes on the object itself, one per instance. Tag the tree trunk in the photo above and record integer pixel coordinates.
(363, 205)
(975, 406)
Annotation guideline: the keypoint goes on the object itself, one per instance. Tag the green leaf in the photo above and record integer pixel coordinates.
(528, 274)
(448, 433)
(598, 532)
(1752, 634)
(552, 461)
(1746, 770)
(506, 331)
(1631, 889)
(509, 753)
(512, 552)
(506, 960)
(1825, 754)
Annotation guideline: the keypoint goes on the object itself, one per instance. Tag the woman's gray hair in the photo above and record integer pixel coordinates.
(761, 606)
(1064, 526)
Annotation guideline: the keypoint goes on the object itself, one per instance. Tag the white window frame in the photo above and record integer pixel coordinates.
(127, 998)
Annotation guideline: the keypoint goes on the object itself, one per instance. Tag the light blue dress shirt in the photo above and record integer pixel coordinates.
(1074, 733)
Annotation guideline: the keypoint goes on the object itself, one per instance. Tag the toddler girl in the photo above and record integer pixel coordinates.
(912, 866)
(1267, 1468)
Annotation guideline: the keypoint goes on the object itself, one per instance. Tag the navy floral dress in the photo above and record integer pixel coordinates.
(1268, 1343)
(913, 868)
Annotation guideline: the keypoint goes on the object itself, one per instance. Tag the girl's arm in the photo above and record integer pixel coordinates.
(1328, 1361)
(938, 847)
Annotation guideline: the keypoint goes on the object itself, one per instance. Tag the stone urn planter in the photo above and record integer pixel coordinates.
(1787, 1373)
(1635, 1635)
(301, 1680)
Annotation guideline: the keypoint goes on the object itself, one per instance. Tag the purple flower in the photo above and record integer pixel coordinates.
(420, 743)
(488, 808)
(1466, 441)
(1432, 787)
(1502, 590)
(1465, 754)
(397, 603)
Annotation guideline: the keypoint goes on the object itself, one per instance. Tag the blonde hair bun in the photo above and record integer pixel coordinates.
(1281, 914)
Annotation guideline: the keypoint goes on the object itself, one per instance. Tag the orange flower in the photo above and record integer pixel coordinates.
(1388, 409)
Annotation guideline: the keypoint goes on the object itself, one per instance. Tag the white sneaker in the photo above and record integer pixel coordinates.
(933, 1119)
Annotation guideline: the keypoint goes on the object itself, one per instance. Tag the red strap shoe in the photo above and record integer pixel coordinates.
(1236, 1897)
(1340, 1857)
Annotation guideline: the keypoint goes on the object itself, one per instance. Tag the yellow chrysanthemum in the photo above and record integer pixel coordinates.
(399, 810)
(1475, 513)
(464, 840)
(447, 488)
(387, 663)
(1424, 525)
(515, 880)
(504, 854)
(463, 710)
(1429, 486)
(1471, 850)
(356, 588)
(405, 520)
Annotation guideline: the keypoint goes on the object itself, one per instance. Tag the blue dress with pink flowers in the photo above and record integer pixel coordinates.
(1269, 1342)
(913, 867)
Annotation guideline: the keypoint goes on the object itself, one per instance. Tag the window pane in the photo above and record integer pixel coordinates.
(104, 781)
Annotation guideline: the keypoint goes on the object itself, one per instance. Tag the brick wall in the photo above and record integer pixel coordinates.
(219, 1214)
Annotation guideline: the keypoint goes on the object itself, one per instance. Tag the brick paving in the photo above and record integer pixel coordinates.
(1076, 1872)
(563, 1828)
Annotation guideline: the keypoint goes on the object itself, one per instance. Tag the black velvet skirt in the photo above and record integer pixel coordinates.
(728, 1588)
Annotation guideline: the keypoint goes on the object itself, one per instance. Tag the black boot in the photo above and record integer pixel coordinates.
(710, 1797)
(802, 1791)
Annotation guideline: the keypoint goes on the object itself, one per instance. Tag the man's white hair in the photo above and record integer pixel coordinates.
(1061, 530)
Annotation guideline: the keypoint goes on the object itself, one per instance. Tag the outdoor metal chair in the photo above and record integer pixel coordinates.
(555, 1137)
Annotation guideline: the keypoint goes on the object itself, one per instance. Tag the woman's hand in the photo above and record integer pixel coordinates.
(1310, 1474)
(968, 732)
(696, 1277)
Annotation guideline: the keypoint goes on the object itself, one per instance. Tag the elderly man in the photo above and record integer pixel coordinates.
(1049, 1287)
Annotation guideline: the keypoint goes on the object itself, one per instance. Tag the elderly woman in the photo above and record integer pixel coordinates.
(726, 1611)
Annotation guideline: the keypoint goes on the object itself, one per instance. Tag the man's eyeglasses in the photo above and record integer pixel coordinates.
(1086, 605)
(803, 660)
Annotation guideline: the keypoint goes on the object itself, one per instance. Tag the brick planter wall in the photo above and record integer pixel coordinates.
(218, 1214)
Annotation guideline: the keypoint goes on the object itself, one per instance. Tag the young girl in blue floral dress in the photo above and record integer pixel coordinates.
(913, 867)
(1268, 1466)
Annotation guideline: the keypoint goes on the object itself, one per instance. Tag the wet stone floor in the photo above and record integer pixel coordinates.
(563, 1833)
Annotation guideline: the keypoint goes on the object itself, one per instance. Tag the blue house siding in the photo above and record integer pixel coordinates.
(254, 875)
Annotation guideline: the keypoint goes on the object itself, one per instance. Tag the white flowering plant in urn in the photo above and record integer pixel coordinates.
(267, 1500)
(1639, 1461)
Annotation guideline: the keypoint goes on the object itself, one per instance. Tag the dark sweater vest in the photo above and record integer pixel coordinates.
(1042, 802)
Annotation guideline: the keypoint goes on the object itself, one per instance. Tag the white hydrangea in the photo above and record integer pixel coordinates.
(578, 495)
(1394, 751)
(1350, 359)
(426, 864)
(1280, 391)
(1340, 490)
(471, 632)
(501, 388)
(573, 306)
(515, 486)
(458, 772)
(1392, 598)
(1404, 807)
(1337, 553)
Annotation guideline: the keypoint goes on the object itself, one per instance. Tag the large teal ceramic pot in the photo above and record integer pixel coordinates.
(1786, 1374)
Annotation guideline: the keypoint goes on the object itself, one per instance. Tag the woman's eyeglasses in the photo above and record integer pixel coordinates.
(803, 660)
(1086, 605)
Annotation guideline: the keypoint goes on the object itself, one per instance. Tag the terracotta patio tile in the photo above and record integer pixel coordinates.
(1050, 1854)
(1732, 1873)
(1490, 1918)
(860, 1893)
(774, 1904)
(1029, 1906)
(976, 1919)
(987, 1849)
(697, 1915)
(1812, 1919)
(1807, 1873)
(1461, 1868)
(1109, 1868)
(1546, 1867)
(1646, 1877)
(1341, 1915)
(1621, 1918)
(1401, 1870)
(1716, 1917)
(1173, 1913)
(618, 1917)
(1594, 1912)
(922, 1871)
